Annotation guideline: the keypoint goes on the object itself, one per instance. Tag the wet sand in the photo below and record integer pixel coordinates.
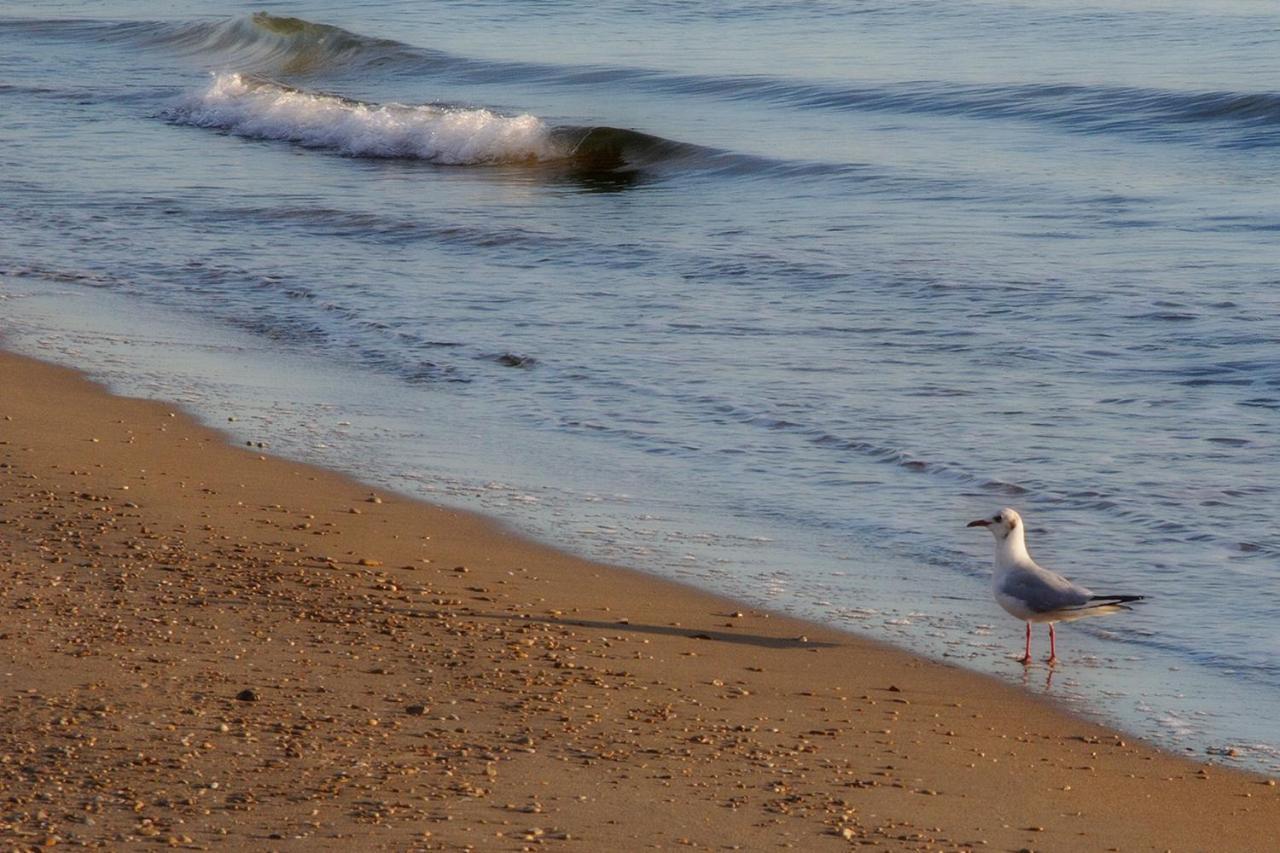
(207, 647)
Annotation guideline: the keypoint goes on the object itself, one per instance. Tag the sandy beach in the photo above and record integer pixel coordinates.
(207, 647)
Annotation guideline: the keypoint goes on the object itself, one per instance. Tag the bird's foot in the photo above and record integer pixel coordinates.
(1052, 660)
(1025, 660)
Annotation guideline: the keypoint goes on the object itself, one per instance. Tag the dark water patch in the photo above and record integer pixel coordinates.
(1245, 224)
(104, 93)
(1164, 316)
(380, 228)
(1206, 382)
(1002, 488)
(511, 359)
(84, 278)
(608, 148)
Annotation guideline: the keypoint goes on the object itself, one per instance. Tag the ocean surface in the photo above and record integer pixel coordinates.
(772, 298)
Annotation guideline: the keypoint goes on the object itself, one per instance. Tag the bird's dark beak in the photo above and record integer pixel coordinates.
(982, 522)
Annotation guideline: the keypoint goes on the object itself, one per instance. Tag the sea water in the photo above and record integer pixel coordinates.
(772, 298)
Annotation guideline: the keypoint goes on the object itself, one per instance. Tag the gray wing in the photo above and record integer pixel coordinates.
(1043, 591)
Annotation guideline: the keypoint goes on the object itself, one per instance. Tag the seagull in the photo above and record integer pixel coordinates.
(1035, 594)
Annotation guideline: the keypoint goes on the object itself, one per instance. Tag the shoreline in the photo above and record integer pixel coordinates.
(455, 453)
(534, 698)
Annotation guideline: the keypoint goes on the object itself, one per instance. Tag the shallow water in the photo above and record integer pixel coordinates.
(767, 297)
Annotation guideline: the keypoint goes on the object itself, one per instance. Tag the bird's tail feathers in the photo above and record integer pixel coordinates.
(1098, 605)
(1103, 608)
(1104, 600)
(1102, 604)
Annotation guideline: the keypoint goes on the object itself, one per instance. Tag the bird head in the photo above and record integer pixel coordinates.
(1001, 524)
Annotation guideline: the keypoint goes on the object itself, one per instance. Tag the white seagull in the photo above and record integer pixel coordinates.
(1035, 594)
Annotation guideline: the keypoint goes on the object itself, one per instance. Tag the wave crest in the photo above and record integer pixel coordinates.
(260, 109)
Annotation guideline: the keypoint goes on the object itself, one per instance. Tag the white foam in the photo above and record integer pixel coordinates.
(259, 109)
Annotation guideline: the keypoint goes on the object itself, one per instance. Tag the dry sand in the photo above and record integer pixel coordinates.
(205, 647)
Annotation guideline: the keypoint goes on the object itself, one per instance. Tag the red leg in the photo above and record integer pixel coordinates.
(1053, 652)
(1026, 656)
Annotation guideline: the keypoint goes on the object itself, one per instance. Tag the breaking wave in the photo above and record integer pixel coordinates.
(256, 108)
(260, 109)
